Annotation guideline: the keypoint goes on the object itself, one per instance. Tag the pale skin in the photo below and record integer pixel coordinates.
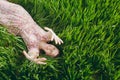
(18, 22)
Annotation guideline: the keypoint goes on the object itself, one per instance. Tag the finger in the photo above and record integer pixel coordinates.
(41, 63)
(40, 59)
(55, 41)
(60, 42)
(52, 38)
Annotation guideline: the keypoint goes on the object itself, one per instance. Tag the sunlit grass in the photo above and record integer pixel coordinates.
(91, 33)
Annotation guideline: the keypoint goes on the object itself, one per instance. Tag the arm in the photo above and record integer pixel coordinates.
(19, 22)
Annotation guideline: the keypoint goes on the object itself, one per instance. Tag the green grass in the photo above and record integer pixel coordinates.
(90, 30)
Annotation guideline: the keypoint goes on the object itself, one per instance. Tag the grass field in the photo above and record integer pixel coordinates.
(90, 30)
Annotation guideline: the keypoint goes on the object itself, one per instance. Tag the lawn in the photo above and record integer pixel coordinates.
(90, 30)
